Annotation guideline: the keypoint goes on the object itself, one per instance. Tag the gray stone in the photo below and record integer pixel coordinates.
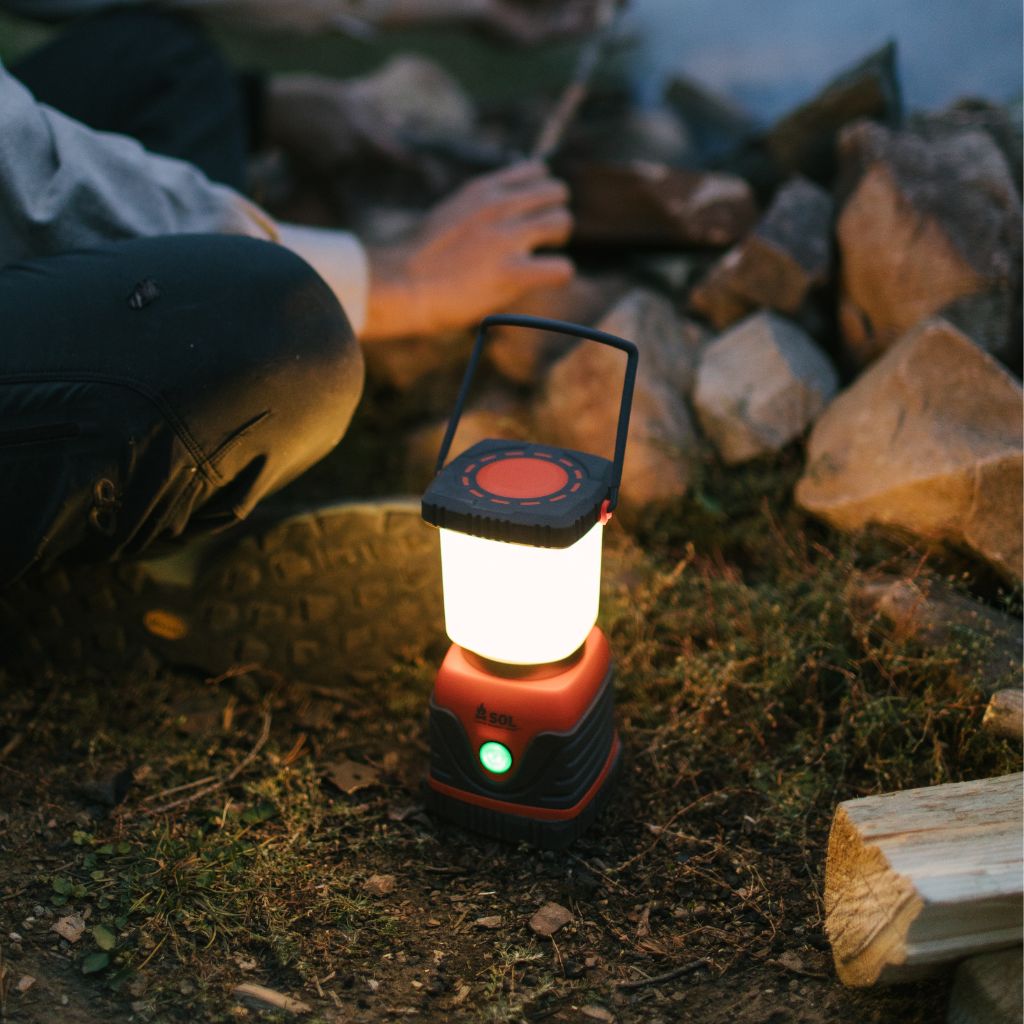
(759, 386)
(580, 402)
(927, 440)
(647, 203)
(417, 98)
(926, 224)
(998, 121)
(777, 264)
(524, 355)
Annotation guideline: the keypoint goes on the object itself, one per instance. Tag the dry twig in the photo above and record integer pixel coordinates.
(230, 777)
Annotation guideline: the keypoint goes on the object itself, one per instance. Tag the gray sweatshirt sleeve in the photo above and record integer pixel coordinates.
(64, 186)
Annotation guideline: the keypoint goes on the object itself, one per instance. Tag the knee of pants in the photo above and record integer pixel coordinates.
(287, 396)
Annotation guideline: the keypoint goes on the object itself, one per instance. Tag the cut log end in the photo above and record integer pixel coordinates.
(868, 908)
(922, 878)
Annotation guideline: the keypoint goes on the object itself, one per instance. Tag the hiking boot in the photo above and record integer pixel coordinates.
(322, 596)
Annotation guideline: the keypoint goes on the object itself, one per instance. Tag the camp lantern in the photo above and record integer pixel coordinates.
(522, 731)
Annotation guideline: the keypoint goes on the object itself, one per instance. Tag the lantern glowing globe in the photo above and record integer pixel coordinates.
(543, 610)
(522, 730)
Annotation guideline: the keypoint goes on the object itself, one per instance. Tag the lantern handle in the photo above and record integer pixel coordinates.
(559, 327)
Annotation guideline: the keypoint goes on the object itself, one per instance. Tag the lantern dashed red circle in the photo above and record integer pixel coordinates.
(523, 477)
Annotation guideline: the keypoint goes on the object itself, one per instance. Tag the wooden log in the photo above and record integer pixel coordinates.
(988, 989)
(924, 877)
(1005, 714)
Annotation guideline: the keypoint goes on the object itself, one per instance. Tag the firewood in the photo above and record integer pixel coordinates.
(924, 877)
(988, 990)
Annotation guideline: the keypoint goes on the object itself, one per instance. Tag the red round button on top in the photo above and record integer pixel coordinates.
(522, 477)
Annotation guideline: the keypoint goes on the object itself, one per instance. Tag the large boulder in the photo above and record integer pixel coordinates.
(927, 440)
(926, 224)
(759, 386)
(777, 264)
(580, 402)
(804, 140)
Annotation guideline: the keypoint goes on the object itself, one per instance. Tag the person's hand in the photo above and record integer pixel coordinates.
(475, 254)
(324, 122)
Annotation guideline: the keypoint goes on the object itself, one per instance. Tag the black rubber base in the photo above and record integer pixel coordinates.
(513, 828)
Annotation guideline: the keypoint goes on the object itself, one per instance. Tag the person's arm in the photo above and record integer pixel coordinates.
(65, 186)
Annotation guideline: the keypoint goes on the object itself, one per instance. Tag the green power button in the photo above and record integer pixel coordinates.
(496, 757)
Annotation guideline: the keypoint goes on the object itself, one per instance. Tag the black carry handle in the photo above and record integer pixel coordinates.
(559, 327)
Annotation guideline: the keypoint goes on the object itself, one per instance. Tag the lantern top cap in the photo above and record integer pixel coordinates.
(520, 492)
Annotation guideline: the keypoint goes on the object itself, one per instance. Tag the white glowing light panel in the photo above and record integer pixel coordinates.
(520, 604)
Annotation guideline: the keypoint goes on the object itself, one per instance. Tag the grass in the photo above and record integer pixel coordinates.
(752, 699)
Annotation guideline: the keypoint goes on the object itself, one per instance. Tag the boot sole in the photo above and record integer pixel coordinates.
(323, 596)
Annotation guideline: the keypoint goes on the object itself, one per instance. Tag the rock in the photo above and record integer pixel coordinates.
(497, 417)
(549, 919)
(988, 989)
(715, 125)
(524, 355)
(579, 405)
(926, 224)
(975, 114)
(403, 363)
(991, 320)
(418, 98)
(988, 642)
(670, 272)
(598, 1013)
(1004, 715)
(927, 440)
(262, 998)
(492, 922)
(648, 203)
(804, 140)
(70, 927)
(777, 264)
(759, 386)
(380, 885)
(628, 132)
(25, 982)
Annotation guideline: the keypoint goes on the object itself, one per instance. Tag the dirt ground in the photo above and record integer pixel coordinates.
(254, 829)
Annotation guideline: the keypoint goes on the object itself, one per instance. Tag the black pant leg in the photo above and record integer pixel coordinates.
(150, 385)
(151, 75)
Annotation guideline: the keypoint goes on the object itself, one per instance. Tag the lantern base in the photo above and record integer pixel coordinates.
(530, 755)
